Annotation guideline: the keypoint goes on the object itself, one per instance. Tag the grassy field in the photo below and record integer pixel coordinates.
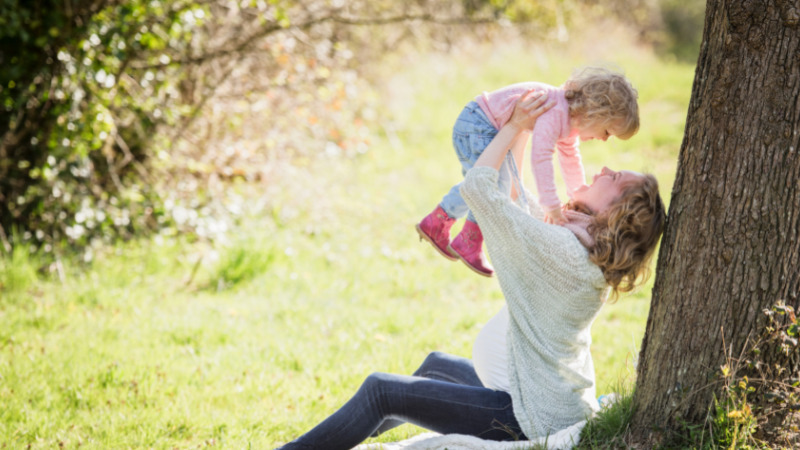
(247, 344)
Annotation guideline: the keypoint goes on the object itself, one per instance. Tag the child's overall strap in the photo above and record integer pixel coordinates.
(521, 198)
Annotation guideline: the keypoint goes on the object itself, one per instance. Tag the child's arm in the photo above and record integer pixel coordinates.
(542, 145)
(569, 158)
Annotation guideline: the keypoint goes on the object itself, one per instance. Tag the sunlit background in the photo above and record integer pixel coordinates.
(208, 207)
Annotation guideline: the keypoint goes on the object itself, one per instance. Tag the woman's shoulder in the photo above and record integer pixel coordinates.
(573, 255)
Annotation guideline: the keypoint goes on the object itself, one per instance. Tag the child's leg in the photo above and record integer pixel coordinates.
(435, 405)
(435, 228)
(468, 245)
(472, 133)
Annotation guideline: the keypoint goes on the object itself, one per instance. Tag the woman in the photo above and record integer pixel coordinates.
(533, 372)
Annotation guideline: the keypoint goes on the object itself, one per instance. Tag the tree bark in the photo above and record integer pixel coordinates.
(730, 248)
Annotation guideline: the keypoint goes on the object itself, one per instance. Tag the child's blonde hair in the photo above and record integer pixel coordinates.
(599, 96)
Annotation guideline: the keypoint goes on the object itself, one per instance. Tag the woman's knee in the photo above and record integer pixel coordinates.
(431, 361)
(436, 356)
(380, 392)
(376, 382)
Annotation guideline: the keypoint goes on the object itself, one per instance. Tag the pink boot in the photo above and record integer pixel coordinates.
(468, 245)
(435, 228)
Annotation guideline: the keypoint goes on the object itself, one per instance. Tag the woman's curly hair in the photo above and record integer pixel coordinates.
(626, 235)
(599, 96)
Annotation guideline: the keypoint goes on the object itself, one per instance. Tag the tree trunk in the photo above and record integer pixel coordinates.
(731, 245)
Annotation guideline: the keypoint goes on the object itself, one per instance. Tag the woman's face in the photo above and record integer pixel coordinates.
(606, 187)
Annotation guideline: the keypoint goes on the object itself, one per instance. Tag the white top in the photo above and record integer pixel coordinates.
(553, 292)
(489, 354)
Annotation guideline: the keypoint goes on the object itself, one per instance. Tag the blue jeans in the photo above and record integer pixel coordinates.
(444, 395)
(472, 133)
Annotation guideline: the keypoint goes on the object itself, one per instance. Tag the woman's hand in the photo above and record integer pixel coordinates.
(555, 217)
(528, 108)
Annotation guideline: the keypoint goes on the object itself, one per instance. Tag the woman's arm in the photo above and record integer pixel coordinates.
(521, 246)
(514, 238)
(518, 152)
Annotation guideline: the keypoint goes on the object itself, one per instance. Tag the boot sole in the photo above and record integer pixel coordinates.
(424, 236)
(487, 275)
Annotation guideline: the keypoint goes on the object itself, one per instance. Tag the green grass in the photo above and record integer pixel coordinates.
(609, 427)
(167, 344)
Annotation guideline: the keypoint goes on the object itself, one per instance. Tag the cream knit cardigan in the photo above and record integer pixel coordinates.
(554, 294)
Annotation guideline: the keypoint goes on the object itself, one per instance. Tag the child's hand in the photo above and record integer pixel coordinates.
(555, 217)
(528, 108)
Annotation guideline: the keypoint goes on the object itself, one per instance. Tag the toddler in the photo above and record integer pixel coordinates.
(595, 103)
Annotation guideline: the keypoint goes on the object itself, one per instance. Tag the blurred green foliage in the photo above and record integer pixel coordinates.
(122, 118)
(682, 28)
(84, 87)
(99, 99)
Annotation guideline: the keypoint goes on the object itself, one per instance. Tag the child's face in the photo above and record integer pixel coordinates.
(601, 131)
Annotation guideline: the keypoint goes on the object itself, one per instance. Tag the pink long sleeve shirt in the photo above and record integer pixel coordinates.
(552, 132)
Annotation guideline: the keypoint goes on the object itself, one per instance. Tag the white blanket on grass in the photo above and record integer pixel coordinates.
(562, 440)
